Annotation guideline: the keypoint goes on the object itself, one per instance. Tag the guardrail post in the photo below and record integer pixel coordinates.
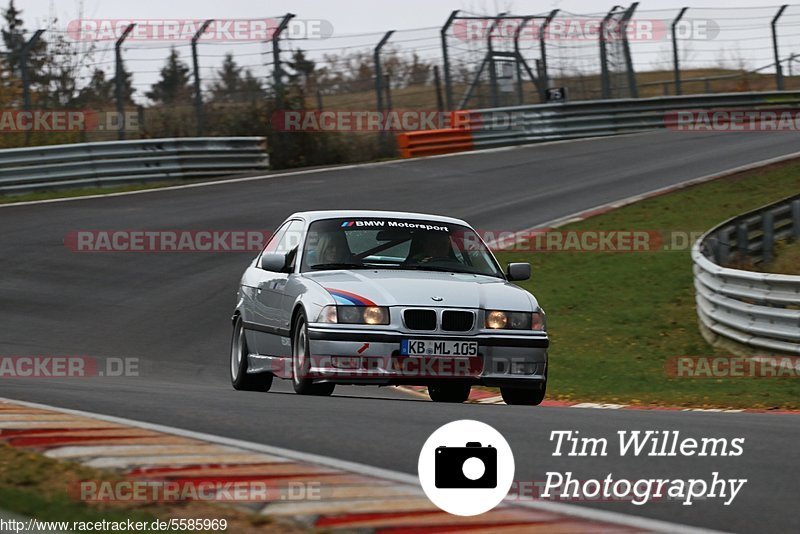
(448, 82)
(198, 94)
(796, 219)
(626, 46)
(776, 51)
(119, 81)
(277, 70)
(768, 238)
(379, 85)
(675, 53)
(722, 248)
(742, 241)
(604, 74)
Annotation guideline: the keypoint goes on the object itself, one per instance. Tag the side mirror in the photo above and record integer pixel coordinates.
(518, 272)
(273, 262)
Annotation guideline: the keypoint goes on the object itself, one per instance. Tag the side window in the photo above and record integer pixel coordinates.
(291, 238)
(276, 238)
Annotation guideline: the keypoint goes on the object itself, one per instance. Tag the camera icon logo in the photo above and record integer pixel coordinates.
(472, 466)
(463, 476)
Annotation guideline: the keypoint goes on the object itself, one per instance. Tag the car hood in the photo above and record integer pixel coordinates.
(419, 288)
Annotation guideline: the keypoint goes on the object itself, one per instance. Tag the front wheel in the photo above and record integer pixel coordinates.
(301, 363)
(240, 379)
(455, 393)
(524, 397)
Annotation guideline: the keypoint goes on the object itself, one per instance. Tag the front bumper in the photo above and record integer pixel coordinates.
(361, 356)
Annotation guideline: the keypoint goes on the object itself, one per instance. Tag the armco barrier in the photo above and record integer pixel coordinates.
(519, 125)
(758, 310)
(117, 162)
(433, 142)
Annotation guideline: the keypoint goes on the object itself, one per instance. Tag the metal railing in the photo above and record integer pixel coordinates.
(548, 122)
(519, 125)
(758, 310)
(118, 162)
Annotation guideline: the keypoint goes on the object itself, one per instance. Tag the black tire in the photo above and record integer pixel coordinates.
(301, 364)
(444, 392)
(524, 397)
(240, 379)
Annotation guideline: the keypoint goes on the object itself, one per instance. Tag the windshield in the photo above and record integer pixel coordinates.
(396, 244)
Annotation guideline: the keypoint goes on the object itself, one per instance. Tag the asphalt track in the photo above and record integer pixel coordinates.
(172, 310)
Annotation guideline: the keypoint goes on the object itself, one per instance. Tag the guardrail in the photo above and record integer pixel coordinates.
(759, 310)
(518, 125)
(117, 162)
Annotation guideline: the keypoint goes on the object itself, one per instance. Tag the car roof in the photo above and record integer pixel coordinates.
(311, 216)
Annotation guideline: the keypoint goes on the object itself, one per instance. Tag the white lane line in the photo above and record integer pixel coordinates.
(650, 525)
(309, 171)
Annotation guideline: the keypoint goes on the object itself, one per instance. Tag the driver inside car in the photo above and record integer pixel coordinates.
(332, 248)
(431, 246)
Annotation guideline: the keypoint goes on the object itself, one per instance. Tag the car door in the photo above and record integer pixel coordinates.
(269, 296)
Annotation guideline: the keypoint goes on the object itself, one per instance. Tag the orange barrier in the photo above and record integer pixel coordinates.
(433, 142)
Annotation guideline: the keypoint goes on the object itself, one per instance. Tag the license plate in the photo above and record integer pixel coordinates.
(432, 347)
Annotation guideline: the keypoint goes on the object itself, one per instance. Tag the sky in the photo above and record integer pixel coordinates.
(744, 41)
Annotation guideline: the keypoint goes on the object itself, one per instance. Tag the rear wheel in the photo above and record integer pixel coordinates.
(240, 379)
(455, 393)
(301, 363)
(524, 397)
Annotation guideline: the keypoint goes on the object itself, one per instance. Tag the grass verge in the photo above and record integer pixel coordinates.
(787, 259)
(35, 486)
(84, 192)
(615, 318)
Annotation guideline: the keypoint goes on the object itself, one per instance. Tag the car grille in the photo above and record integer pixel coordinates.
(420, 319)
(457, 321)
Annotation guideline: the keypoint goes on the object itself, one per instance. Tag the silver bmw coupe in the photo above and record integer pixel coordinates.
(387, 298)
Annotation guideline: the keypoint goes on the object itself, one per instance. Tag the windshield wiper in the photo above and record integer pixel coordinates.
(419, 267)
(327, 266)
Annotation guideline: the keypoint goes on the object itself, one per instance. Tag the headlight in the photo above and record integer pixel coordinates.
(496, 319)
(355, 315)
(328, 315)
(500, 320)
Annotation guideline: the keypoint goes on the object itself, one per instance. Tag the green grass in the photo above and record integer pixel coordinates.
(83, 192)
(787, 259)
(615, 318)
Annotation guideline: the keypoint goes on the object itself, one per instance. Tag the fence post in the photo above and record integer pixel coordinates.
(23, 62)
(492, 66)
(776, 51)
(277, 70)
(379, 86)
(518, 61)
(604, 75)
(676, 65)
(544, 76)
(438, 83)
(626, 45)
(198, 94)
(448, 82)
(119, 80)
(768, 237)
